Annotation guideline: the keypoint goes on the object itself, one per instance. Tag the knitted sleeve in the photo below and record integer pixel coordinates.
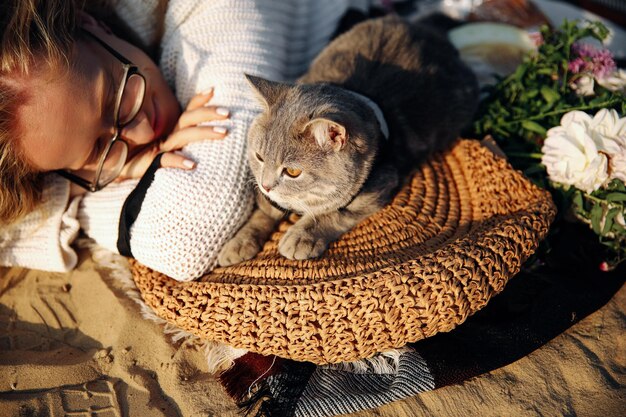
(42, 239)
(187, 216)
(141, 17)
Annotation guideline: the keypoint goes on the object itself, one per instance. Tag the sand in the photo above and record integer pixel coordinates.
(81, 345)
(75, 344)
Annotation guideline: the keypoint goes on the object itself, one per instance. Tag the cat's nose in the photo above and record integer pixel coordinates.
(267, 188)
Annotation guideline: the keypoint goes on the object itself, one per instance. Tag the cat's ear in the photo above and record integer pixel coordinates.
(328, 133)
(267, 91)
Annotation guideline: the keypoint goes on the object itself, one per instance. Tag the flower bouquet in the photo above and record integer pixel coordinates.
(557, 117)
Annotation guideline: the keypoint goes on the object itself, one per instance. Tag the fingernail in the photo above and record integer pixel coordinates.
(189, 164)
(222, 111)
(219, 129)
(208, 91)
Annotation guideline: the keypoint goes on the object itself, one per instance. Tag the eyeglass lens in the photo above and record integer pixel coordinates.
(114, 162)
(132, 99)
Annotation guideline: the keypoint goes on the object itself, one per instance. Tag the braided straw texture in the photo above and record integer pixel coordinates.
(450, 240)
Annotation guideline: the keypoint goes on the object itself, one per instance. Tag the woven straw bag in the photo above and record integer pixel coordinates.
(450, 240)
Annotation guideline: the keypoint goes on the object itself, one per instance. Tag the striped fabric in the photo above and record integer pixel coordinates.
(332, 390)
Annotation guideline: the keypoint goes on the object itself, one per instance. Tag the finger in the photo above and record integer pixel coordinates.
(202, 114)
(200, 99)
(174, 160)
(182, 137)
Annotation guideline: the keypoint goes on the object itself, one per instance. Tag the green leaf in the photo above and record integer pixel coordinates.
(546, 71)
(600, 31)
(533, 169)
(519, 72)
(531, 93)
(608, 220)
(577, 200)
(598, 100)
(596, 217)
(616, 196)
(549, 95)
(617, 185)
(533, 127)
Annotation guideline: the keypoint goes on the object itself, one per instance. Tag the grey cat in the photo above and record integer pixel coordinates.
(333, 147)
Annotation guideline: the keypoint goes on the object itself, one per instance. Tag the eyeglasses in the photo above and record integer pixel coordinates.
(129, 99)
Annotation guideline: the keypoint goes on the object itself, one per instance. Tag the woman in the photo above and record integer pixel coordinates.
(83, 108)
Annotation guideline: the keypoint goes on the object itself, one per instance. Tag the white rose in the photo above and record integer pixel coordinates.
(608, 130)
(584, 86)
(571, 156)
(617, 165)
(614, 82)
(609, 133)
(576, 116)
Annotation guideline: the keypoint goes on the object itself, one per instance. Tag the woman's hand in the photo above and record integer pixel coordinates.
(185, 132)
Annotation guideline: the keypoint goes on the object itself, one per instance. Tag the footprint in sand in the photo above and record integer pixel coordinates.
(96, 398)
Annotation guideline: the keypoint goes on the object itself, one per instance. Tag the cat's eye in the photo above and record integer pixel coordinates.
(258, 157)
(292, 172)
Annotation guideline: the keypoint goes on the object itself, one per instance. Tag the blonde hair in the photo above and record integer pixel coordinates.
(20, 185)
(34, 32)
(36, 28)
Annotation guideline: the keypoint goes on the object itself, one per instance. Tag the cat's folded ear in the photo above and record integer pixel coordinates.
(267, 91)
(328, 133)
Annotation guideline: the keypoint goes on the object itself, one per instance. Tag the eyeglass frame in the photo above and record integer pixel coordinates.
(130, 69)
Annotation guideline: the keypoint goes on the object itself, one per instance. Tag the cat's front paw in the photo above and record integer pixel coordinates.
(238, 250)
(301, 244)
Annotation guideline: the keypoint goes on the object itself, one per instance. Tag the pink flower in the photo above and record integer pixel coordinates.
(591, 60)
(575, 65)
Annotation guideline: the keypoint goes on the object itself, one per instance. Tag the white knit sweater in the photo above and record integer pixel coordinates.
(187, 215)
